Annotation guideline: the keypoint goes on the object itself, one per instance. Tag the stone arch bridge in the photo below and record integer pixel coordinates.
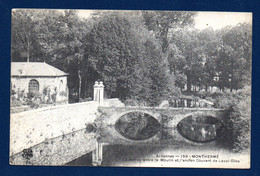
(174, 127)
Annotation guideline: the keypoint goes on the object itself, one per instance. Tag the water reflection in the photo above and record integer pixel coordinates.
(139, 126)
(199, 128)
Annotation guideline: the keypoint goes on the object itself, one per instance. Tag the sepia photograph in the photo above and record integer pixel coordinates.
(130, 88)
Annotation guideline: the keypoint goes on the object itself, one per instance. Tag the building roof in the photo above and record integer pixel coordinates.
(34, 69)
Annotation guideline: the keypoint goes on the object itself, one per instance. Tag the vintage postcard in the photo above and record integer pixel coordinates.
(131, 88)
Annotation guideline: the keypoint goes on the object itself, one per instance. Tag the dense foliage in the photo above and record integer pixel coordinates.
(238, 119)
(143, 56)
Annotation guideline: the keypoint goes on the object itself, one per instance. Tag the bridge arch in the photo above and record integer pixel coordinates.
(137, 125)
(118, 115)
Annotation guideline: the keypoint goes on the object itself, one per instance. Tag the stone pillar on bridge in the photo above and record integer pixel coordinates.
(98, 92)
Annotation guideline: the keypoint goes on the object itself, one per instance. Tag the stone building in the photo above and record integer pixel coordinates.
(39, 77)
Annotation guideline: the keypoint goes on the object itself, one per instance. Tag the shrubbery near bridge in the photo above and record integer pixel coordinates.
(238, 119)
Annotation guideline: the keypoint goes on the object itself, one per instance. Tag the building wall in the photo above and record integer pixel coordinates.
(58, 83)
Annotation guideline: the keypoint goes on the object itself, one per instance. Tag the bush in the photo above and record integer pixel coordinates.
(31, 95)
(238, 119)
(85, 99)
(15, 103)
(63, 93)
(34, 103)
(34, 99)
(13, 92)
(53, 97)
(135, 102)
(223, 101)
(45, 91)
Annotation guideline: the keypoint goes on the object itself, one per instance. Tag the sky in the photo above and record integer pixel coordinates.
(216, 20)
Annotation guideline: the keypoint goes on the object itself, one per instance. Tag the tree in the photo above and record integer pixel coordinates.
(164, 22)
(232, 56)
(72, 49)
(205, 54)
(129, 59)
(114, 52)
(208, 43)
(190, 59)
(25, 36)
(237, 40)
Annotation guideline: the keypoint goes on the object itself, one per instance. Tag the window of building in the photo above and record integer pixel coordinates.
(33, 86)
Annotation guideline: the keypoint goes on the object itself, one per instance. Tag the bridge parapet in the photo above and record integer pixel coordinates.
(177, 113)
